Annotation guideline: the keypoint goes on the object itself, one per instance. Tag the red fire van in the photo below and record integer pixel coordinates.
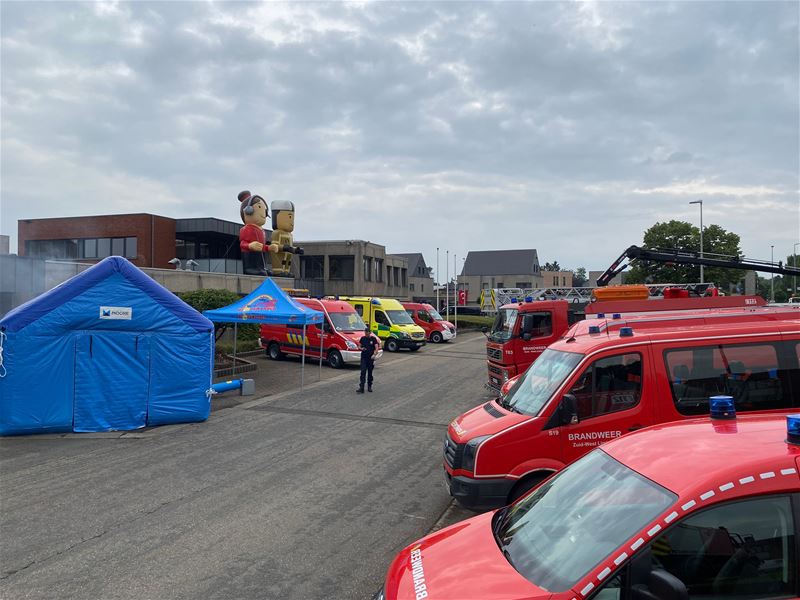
(342, 329)
(437, 330)
(705, 508)
(588, 389)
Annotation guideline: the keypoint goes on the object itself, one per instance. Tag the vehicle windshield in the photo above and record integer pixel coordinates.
(531, 391)
(399, 317)
(346, 321)
(435, 314)
(503, 326)
(572, 522)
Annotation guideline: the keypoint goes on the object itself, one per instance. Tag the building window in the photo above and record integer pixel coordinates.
(90, 248)
(389, 276)
(421, 288)
(118, 246)
(342, 267)
(131, 249)
(403, 273)
(312, 267)
(379, 270)
(103, 247)
(367, 268)
(500, 284)
(411, 287)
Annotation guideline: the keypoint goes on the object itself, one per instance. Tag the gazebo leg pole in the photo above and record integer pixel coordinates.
(321, 346)
(235, 335)
(303, 366)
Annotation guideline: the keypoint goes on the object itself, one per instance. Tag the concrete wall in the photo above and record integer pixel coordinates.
(556, 278)
(23, 278)
(377, 282)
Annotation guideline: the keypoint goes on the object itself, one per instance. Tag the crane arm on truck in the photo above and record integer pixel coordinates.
(691, 257)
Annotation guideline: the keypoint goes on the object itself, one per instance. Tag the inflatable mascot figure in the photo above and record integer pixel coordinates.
(252, 240)
(282, 228)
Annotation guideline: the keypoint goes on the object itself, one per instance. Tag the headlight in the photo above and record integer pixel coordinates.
(505, 375)
(402, 334)
(470, 449)
(351, 345)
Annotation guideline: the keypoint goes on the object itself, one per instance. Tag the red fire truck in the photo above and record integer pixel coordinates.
(587, 389)
(710, 505)
(341, 331)
(522, 330)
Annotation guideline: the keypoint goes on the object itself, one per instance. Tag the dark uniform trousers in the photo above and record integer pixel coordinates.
(367, 364)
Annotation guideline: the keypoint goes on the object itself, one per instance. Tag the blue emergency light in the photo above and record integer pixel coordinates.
(594, 329)
(528, 298)
(616, 316)
(722, 407)
(513, 301)
(793, 429)
(626, 332)
(601, 315)
(376, 301)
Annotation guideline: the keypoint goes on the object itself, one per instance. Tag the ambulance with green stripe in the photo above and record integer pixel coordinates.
(388, 319)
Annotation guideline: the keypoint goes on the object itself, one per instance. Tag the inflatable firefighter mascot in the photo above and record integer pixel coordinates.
(252, 240)
(282, 228)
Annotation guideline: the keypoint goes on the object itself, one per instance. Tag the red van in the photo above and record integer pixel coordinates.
(588, 389)
(342, 329)
(710, 506)
(437, 330)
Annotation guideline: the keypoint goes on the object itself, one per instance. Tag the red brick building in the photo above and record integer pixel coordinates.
(146, 240)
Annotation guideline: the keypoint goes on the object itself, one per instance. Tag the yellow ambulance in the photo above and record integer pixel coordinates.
(387, 319)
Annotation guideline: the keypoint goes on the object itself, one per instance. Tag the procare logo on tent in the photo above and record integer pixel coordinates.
(124, 313)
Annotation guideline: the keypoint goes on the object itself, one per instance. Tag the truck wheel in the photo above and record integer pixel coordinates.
(274, 351)
(437, 337)
(335, 359)
(526, 485)
(391, 345)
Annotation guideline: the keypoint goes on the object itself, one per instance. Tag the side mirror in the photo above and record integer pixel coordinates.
(568, 410)
(526, 336)
(663, 585)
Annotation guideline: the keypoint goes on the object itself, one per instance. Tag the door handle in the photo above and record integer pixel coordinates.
(635, 427)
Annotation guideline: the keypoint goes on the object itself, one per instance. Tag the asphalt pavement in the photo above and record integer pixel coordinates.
(296, 494)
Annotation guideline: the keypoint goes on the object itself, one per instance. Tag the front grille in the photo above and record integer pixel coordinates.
(495, 377)
(494, 353)
(453, 453)
(489, 408)
(418, 336)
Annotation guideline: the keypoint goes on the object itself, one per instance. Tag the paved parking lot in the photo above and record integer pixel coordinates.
(297, 494)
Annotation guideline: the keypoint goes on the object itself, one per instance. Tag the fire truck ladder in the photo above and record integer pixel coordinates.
(691, 257)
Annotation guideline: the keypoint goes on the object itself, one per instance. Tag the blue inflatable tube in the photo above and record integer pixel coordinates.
(226, 386)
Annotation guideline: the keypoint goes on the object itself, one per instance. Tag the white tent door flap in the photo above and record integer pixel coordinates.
(112, 373)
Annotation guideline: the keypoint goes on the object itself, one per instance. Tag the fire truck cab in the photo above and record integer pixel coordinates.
(704, 508)
(589, 389)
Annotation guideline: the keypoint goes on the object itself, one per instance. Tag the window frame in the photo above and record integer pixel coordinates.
(624, 570)
(594, 360)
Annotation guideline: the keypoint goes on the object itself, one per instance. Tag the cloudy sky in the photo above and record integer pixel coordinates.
(566, 127)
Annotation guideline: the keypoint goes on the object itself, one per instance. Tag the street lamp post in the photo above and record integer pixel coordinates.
(447, 284)
(772, 275)
(455, 299)
(438, 306)
(794, 264)
(700, 202)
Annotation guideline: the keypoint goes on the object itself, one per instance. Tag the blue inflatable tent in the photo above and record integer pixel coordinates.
(109, 349)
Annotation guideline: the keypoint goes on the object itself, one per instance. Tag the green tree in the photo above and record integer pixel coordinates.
(579, 277)
(200, 300)
(553, 266)
(685, 236)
